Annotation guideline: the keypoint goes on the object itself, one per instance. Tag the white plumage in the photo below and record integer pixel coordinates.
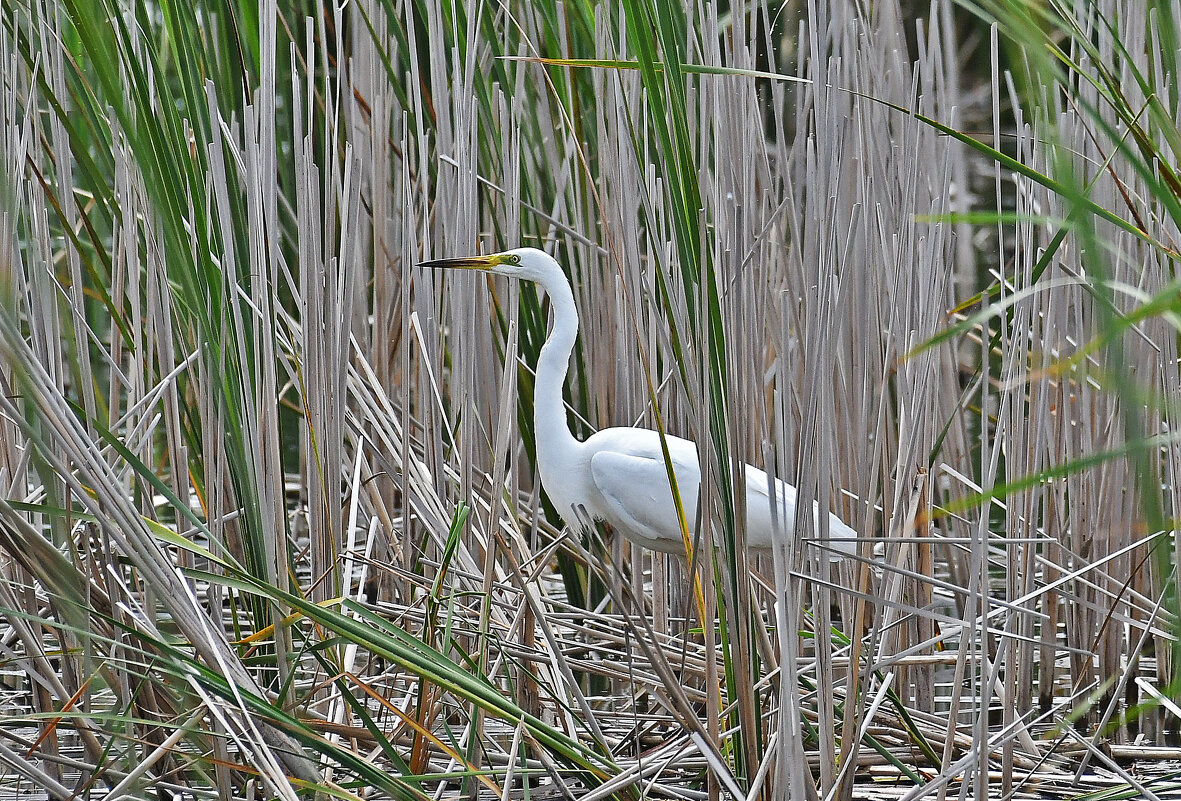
(618, 475)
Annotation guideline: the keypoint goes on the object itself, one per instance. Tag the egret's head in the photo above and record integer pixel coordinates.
(529, 264)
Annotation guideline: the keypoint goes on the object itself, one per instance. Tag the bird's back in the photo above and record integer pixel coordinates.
(629, 489)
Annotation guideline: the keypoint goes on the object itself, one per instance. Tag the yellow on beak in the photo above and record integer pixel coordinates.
(465, 262)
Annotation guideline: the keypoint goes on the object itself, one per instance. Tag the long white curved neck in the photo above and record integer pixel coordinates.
(551, 432)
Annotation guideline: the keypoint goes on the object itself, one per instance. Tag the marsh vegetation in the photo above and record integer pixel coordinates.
(270, 525)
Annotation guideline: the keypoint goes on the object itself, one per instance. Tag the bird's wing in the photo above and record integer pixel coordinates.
(761, 526)
(764, 526)
(637, 498)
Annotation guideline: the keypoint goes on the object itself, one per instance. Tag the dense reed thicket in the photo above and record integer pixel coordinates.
(269, 519)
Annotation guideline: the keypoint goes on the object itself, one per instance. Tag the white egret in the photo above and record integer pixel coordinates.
(618, 475)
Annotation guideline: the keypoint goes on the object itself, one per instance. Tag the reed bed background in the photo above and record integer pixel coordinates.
(269, 523)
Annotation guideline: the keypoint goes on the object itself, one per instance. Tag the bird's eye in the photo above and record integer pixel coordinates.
(514, 259)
